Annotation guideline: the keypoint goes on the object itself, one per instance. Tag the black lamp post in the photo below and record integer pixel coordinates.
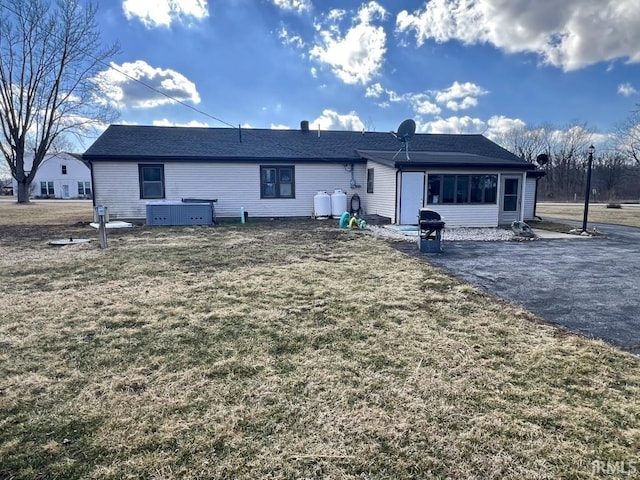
(586, 194)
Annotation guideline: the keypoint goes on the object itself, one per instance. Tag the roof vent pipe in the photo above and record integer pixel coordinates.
(304, 125)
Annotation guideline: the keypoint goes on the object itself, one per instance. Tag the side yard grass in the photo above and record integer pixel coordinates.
(286, 350)
(628, 214)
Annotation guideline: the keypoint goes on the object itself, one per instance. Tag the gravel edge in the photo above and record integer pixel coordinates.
(448, 234)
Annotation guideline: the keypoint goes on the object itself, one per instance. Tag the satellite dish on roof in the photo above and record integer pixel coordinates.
(542, 159)
(405, 131)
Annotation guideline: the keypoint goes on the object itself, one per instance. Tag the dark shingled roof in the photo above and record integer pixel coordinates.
(139, 143)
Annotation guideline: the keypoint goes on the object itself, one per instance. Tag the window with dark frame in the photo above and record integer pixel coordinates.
(151, 178)
(64, 169)
(84, 189)
(369, 180)
(510, 198)
(433, 189)
(448, 188)
(461, 189)
(47, 189)
(277, 181)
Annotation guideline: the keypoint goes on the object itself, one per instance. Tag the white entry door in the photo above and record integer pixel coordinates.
(65, 191)
(510, 201)
(411, 197)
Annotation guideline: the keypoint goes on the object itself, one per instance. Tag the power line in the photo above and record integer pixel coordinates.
(257, 133)
(163, 93)
(121, 72)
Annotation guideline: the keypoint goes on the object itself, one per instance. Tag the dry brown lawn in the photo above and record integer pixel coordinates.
(629, 214)
(41, 213)
(284, 350)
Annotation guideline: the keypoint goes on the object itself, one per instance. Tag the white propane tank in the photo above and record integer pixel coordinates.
(338, 203)
(321, 205)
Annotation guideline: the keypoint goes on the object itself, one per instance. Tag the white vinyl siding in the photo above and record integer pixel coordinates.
(383, 199)
(235, 185)
(529, 198)
(116, 186)
(468, 215)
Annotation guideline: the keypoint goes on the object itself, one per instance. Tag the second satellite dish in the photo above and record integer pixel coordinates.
(542, 159)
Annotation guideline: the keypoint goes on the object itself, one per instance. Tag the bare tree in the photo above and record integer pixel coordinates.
(49, 57)
(565, 148)
(527, 142)
(627, 137)
(568, 155)
(609, 171)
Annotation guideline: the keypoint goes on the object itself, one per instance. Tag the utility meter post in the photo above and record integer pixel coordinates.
(101, 212)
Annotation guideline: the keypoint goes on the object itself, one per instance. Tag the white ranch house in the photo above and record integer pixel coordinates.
(468, 179)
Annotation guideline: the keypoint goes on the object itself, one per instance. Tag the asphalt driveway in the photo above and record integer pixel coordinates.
(590, 286)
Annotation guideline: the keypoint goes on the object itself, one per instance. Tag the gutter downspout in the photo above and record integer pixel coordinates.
(523, 196)
(93, 185)
(535, 200)
(398, 190)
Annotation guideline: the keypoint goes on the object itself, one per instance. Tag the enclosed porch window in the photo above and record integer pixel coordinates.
(462, 189)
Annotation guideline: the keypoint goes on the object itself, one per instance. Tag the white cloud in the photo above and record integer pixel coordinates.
(574, 131)
(356, 56)
(331, 120)
(297, 6)
(280, 127)
(420, 102)
(334, 15)
(627, 90)
(370, 11)
(374, 90)
(167, 123)
(290, 39)
(466, 102)
(570, 34)
(161, 13)
(601, 139)
(499, 125)
(505, 124)
(127, 90)
(396, 97)
(453, 125)
(459, 96)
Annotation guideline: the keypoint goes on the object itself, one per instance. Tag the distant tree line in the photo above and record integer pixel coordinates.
(616, 162)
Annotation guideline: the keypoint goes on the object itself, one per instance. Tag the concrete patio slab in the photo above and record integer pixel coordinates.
(549, 235)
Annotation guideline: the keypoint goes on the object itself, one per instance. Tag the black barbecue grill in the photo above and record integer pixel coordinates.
(431, 226)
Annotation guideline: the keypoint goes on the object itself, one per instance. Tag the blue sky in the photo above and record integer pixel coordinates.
(454, 66)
